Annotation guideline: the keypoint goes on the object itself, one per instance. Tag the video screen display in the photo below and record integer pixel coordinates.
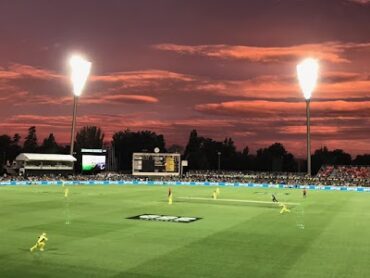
(93, 162)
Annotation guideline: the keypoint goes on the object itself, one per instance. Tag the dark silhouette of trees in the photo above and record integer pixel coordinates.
(30, 143)
(275, 158)
(175, 149)
(5, 142)
(126, 142)
(245, 159)
(50, 145)
(14, 148)
(201, 152)
(193, 154)
(363, 159)
(9, 149)
(89, 137)
(324, 156)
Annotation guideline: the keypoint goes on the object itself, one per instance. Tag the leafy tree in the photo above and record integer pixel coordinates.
(193, 143)
(275, 158)
(193, 153)
(202, 153)
(30, 143)
(14, 148)
(324, 156)
(245, 160)
(5, 142)
(9, 149)
(126, 142)
(89, 137)
(50, 145)
(175, 149)
(362, 160)
(16, 138)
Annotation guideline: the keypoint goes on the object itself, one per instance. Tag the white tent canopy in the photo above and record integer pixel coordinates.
(45, 157)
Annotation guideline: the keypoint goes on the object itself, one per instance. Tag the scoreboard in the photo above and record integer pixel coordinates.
(156, 164)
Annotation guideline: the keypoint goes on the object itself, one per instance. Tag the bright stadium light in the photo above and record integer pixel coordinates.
(307, 72)
(80, 69)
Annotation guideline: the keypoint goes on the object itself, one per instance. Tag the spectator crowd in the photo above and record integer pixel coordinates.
(328, 175)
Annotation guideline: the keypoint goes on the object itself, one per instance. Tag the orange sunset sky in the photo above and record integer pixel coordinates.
(225, 68)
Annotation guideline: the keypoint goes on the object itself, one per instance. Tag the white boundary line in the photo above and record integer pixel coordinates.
(235, 200)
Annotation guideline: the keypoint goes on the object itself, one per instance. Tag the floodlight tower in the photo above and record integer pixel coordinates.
(307, 72)
(80, 69)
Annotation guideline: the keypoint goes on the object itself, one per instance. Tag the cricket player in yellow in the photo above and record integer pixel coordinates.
(170, 196)
(284, 208)
(66, 191)
(214, 195)
(40, 243)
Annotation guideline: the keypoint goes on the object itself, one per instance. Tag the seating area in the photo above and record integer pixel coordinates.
(328, 175)
(344, 172)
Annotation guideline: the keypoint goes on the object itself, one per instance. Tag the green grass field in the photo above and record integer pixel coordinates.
(325, 235)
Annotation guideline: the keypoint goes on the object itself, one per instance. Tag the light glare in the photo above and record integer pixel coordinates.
(307, 72)
(79, 74)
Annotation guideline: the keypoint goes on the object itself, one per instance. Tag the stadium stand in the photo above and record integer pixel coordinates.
(328, 175)
(344, 172)
(33, 164)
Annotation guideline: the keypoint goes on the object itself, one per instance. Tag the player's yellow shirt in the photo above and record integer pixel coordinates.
(42, 238)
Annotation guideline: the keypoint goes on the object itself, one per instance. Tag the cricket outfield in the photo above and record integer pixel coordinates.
(241, 234)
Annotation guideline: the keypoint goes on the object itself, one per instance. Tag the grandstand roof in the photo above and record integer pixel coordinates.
(44, 157)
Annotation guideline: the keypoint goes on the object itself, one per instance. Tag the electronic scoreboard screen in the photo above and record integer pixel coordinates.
(156, 164)
(93, 160)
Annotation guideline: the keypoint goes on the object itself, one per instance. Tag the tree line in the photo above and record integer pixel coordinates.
(201, 152)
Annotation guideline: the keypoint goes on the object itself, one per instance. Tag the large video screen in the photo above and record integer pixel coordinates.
(93, 162)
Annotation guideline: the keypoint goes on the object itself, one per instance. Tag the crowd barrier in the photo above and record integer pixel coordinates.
(232, 184)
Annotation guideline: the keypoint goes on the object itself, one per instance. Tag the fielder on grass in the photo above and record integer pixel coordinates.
(274, 198)
(40, 244)
(214, 195)
(284, 208)
(170, 197)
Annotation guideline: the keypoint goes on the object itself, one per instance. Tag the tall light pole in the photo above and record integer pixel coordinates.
(219, 161)
(80, 69)
(307, 72)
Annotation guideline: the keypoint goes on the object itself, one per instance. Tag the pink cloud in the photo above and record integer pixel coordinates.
(143, 75)
(331, 85)
(117, 99)
(323, 130)
(262, 107)
(328, 51)
(16, 71)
